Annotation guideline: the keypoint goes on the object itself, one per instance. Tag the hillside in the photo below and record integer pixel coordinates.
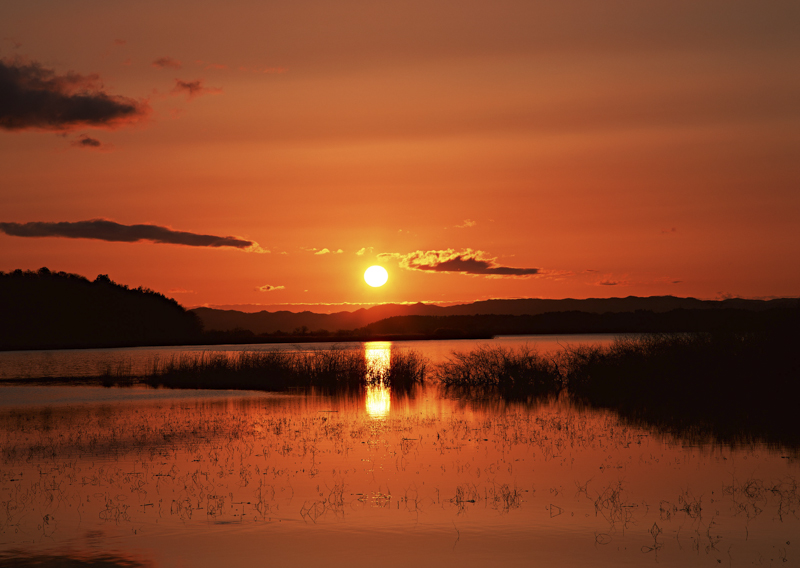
(47, 309)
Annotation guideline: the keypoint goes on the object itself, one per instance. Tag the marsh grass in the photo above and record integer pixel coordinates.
(407, 369)
(514, 373)
(279, 370)
(730, 386)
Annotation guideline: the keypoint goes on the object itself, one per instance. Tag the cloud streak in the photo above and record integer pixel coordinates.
(105, 230)
(167, 62)
(193, 89)
(269, 288)
(87, 142)
(467, 261)
(33, 97)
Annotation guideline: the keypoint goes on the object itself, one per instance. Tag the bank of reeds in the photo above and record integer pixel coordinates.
(728, 385)
(280, 370)
(513, 373)
(407, 368)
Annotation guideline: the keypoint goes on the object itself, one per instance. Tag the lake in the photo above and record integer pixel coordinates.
(153, 477)
(94, 362)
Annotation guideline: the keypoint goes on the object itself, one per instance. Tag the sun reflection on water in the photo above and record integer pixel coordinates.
(378, 399)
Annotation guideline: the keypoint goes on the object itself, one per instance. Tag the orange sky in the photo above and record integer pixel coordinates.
(620, 148)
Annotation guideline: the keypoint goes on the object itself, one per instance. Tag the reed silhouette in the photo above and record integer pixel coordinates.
(728, 384)
(280, 370)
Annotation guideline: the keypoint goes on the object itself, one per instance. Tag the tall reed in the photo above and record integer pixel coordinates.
(278, 370)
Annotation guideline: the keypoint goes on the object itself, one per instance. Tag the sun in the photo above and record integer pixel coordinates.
(376, 276)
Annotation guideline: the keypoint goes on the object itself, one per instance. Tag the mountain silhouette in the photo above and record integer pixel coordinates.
(285, 321)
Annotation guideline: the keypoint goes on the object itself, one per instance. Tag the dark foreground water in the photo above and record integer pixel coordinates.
(142, 477)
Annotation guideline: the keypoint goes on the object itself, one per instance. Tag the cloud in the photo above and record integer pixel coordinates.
(365, 250)
(611, 280)
(267, 70)
(193, 88)
(466, 262)
(167, 62)
(84, 141)
(180, 291)
(105, 230)
(211, 66)
(33, 97)
(468, 223)
(326, 251)
(269, 288)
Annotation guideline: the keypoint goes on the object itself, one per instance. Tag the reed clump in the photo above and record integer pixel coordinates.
(407, 368)
(730, 385)
(514, 373)
(279, 370)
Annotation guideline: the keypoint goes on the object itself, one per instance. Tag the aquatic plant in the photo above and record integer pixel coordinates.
(512, 372)
(279, 370)
(728, 384)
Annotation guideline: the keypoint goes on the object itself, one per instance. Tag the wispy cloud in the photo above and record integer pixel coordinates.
(269, 288)
(365, 250)
(33, 97)
(167, 62)
(266, 70)
(327, 251)
(105, 230)
(89, 143)
(193, 89)
(468, 223)
(467, 261)
(611, 280)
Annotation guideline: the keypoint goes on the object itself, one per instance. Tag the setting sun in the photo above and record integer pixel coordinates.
(376, 276)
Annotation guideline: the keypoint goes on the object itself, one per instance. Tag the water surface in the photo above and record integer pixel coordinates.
(371, 478)
(138, 360)
(158, 477)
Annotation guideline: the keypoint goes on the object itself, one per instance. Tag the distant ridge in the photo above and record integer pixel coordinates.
(271, 322)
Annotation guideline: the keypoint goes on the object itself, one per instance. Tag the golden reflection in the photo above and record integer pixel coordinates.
(379, 399)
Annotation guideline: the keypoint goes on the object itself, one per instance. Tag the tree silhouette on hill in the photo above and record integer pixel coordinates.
(45, 309)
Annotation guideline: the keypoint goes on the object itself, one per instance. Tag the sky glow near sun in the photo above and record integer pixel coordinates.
(564, 150)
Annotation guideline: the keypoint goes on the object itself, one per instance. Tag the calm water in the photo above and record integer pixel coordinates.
(94, 362)
(143, 477)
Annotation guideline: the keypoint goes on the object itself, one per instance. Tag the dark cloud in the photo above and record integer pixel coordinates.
(193, 88)
(105, 230)
(33, 97)
(84, 141)
(466, 262)
(167, 62)
(269, 288)
(609, 283)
